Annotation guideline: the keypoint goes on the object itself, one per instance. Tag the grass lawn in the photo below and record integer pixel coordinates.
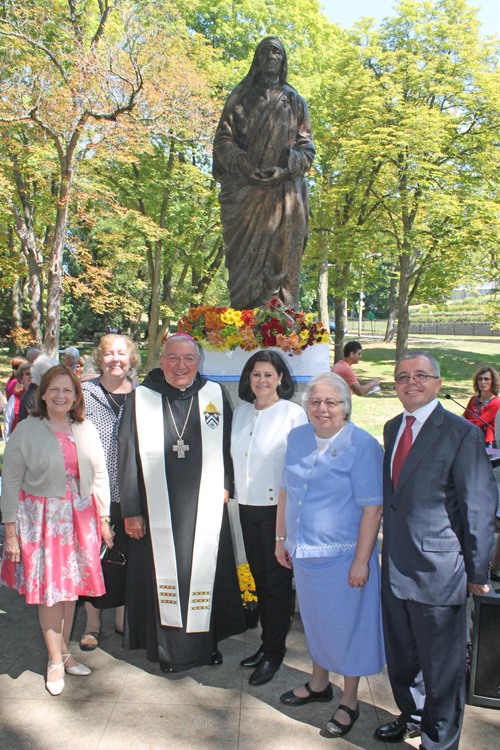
(458, 360)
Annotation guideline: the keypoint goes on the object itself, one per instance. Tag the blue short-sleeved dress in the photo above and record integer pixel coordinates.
(325, 495)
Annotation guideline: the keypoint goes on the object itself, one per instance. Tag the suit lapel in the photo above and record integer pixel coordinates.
(427, 436)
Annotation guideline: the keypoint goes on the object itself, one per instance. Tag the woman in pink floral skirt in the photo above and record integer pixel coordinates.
(55, 506)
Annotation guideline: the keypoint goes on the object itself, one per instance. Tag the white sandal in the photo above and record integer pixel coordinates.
(80, 670)
(54, 688)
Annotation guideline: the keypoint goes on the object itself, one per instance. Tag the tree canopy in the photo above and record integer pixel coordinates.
(109, 212)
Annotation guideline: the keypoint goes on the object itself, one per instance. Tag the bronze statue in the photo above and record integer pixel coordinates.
(263, 148)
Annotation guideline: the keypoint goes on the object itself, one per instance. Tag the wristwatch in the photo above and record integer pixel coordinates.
(280, 538)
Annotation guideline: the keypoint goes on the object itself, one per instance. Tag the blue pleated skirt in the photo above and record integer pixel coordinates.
(343, 626)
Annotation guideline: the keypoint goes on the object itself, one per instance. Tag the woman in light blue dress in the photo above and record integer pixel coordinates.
(329, 511)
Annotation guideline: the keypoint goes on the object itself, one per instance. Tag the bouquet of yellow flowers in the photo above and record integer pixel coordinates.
(247, 587)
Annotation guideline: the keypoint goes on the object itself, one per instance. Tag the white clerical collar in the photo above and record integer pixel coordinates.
(174, 386)
(423, 413)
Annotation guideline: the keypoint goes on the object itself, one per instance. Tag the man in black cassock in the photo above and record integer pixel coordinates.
(189, 425)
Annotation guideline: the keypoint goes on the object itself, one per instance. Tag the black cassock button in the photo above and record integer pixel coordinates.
(393, 507)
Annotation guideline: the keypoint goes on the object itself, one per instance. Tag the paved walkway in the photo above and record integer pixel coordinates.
(128, 704)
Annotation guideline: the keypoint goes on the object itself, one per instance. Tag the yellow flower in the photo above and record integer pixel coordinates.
(230, 340)
(232, 317)
(309, 318)
(304, 335)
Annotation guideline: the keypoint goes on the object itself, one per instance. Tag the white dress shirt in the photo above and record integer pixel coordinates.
(258, 446)
(420, 417)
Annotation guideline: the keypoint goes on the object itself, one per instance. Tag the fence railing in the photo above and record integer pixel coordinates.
(427, 327)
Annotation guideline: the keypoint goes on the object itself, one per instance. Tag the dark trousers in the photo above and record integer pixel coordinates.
(273, 582)
(427, 642)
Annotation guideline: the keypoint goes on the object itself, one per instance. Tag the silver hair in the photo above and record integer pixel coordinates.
(40, 366)
(337, 384)
(413, 355)
(182, 338)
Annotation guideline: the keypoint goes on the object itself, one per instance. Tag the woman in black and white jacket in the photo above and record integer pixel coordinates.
(117, 357)
(258, 444)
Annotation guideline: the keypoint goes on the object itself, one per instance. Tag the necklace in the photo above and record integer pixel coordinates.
(110, 395)
(181, 446)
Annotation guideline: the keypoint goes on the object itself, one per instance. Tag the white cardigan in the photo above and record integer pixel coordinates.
(258, 446)
(33, 461)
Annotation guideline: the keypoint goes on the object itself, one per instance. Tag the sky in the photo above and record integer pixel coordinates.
(347, 13)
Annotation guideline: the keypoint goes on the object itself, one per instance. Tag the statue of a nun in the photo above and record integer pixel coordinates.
(263, 148)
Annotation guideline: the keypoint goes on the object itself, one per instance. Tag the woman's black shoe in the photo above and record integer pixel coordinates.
(335, 729)
(254, 660)
(166, 668)
(322, 696)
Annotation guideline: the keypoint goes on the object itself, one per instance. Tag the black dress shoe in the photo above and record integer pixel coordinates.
(264, 673)
(166, 667)
(217, 657)
(335, 729)
(322, 696)
(254, 660)
(397, 730)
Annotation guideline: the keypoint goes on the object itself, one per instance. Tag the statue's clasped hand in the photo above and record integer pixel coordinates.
(266, 177)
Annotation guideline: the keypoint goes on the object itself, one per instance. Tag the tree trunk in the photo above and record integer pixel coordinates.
(54, 288)
(155, 279)
(391, 320)
(25, 230)
(341, 278)
(339, 328)
(36, 299)
(16, 320)
(323, 312)
(403, 307)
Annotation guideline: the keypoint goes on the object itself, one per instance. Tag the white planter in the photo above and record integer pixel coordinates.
(227, 366)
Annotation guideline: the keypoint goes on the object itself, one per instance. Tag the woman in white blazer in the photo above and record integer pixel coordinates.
(55, 506)
(258, 444)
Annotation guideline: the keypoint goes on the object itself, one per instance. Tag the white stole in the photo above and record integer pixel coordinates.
(151, 438)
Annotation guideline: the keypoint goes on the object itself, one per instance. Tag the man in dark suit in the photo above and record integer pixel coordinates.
(439, 512)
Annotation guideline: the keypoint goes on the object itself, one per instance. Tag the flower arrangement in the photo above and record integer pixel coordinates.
(273, 325)
(247, 587)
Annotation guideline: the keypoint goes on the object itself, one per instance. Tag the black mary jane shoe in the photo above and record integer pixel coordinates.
(335, 729)
(264, 672)
(254, 660)
(322, 696)
(216, 657)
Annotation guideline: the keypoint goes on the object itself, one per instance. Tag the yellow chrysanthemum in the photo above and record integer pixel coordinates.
(309, 318)
(304, 335)
(232, 317)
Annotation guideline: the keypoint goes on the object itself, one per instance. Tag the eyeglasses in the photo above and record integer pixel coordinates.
(486, 378)
(420, 377)
(330, 404)
(173, 360)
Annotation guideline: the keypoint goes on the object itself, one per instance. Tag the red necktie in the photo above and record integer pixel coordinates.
(404, 445)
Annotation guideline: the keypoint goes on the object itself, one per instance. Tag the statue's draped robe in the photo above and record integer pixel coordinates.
(142, 627)
(264, 229)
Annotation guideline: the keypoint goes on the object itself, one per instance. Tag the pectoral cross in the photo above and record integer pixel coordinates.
(180, 448)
